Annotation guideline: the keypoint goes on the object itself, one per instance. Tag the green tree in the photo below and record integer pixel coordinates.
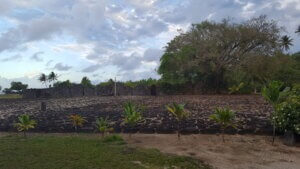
(43, 79)
(19, 86)
(225, 118)
(286, 42)
(52, 77)
(25, 123)
(102, 125)
(179, 112)
(86, 82)
(209, 49)
(271, 93)
(66, 83)
(132, 115)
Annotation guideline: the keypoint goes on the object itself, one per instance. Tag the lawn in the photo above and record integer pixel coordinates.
(82, 152)
(10, 96)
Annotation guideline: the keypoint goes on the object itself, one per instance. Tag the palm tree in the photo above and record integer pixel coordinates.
(271, 93)
(25, 123)
(286, 42)
(52, 77)
(178, 111)
(298, 30)
(102, 126)
(225, 117)
(77, 121)
(132, 115)
(43, 78)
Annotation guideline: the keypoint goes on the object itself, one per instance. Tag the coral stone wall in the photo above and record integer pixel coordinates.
(251, 110)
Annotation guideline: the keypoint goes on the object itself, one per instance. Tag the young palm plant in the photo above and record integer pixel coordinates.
(132, 115)
(25, 123)
(225, 118)
(272, 93)
(77, 121)
(178, 111)
(102, 125)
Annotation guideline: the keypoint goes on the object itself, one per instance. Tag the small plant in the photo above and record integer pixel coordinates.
(178, 111)
(113, 139)
(132, 115)
(25, 123)
(236, 89)
(102, 126)
(272, 93)
(77, 121)
(225, 118)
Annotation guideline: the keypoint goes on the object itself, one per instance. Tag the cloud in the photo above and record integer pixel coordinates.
(91, 68)
(13, 58)
(152, 54)
(61, 67)
(36, 56)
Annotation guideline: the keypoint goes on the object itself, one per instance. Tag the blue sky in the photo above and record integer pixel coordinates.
(102, 39)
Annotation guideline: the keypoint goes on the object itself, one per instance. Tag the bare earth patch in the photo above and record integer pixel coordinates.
(238, 152)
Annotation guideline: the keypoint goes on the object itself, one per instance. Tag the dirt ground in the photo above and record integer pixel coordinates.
(238, 152)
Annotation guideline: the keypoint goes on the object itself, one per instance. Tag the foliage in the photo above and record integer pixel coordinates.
(25, 123)
(113, 139)
(132, 114)
(102, 125)
(108, 83)
(83, 152)
(236, 89)
(286, 42)
(18, 86)
(179, 112)
(77, 121)
(298, 30)
(86, 82)
(271, 92)
(287, 116)
(43, 78)
(225, 118)
(0, 88)
(52, 77)
(208, 50)
(66, 83)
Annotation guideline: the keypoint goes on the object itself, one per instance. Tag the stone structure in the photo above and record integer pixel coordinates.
(80, 91)
(251, 110)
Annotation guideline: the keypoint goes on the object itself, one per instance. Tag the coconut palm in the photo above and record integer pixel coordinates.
(25, 123)
(52, 77)
(178, 111)
(286, 42)
(132, 115)
(225, 118)
(271, 93)
(43, 78)
(102, 126)
(77, 121)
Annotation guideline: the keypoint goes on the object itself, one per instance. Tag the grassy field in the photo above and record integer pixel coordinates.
(10, 96)
(80, 152)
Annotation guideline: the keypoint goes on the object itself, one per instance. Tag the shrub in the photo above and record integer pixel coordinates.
(225, 118)
(25, 123)
(236, 89)
(178, 111)
(102, 126)
(77, 121)
(132, 115)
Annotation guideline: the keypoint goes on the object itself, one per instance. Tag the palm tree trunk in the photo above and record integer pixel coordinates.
(274, 131)
(178, 130)
(223, 138)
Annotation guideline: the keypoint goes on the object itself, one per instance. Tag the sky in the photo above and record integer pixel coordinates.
(103, 39)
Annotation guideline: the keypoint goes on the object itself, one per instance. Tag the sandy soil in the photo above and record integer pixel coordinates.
(238, 152)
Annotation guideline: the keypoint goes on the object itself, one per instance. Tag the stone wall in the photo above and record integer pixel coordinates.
(79, 91)
(251, 110)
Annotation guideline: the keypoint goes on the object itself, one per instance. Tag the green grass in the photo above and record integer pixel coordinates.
(10, 96)
(81, 152)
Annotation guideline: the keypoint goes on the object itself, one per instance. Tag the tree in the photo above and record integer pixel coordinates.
(298, 30)
(178, 111)
(25, 123)
(86, 82)
(286, 42)
(0, 88)
(271, 93)
(209, 49)
(77, 121)
(132, 115)
(66, 83)
(102, 126)
(225, 118)
(43, 79)
(19, 86)
(52, 77)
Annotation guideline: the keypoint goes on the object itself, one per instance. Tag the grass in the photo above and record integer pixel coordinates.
(80, 152)
(10, 96)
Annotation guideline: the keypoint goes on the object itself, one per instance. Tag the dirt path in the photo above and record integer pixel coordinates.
(238, 152)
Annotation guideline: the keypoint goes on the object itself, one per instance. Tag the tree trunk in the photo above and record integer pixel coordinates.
(274, 131)
(289, 138)
(223, 138)
(178, 130)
